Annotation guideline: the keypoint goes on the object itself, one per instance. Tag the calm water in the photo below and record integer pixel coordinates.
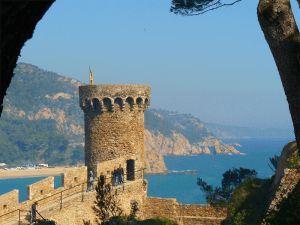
(211, 168)
(184, 187)
(7, 185)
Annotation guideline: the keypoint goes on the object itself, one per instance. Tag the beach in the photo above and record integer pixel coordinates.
(34, 172)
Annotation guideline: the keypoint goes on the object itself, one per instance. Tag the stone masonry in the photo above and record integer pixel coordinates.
(114, 123)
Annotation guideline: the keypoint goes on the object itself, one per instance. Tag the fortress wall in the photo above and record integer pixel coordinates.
(107, 168)
(75, 210)
(289, 181)
(133, 191)
(8, 202)
(161, 207)
(184, 214)
(202, 210)
(74, 177)
(11, 199)
(40, 188)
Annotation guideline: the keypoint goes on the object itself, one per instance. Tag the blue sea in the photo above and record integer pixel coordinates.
(184, 186)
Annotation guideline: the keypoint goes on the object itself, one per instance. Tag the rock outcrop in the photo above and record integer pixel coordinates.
(288, 151)
(177, 144)
(154, 162)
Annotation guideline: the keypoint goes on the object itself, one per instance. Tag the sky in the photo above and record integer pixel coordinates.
(216, 66)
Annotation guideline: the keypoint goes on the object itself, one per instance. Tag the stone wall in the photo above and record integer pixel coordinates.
(8, 203)
(184, 214)
(75, 209)
(43, 193)
(288, 183)
(74, 177)
(107, 168)
(40, 188)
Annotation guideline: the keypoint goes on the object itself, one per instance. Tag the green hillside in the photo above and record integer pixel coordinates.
(186, 124)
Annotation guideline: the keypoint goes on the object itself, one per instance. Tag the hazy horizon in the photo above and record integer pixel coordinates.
(216, 66)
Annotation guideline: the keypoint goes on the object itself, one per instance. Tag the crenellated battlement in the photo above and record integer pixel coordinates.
(114, 97)
(114, 123)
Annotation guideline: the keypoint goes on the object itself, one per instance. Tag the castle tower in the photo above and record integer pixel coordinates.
(114, 123)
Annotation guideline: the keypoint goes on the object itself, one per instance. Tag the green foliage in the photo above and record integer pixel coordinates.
(295, 159)
(186, 124)
(196, 7)
(77, 154)
(288, 210)
(274, 162)
(237, 219)
(154, 123)
(106, 204)
(24, 140)
(251, 200)
(231, 179)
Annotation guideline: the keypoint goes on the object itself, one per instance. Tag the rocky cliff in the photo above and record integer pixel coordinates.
(177, 144)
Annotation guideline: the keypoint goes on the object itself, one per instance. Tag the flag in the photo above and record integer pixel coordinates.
(91, 76)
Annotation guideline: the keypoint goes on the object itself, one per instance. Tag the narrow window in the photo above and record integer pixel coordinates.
(42, 192)
(4, 207)
(75, 179)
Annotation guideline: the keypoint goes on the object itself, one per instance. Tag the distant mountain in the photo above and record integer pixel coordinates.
(46, 98)
(235, 132)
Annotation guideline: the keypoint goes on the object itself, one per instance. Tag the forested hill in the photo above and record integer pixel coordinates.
(186, 124)
(38, 94)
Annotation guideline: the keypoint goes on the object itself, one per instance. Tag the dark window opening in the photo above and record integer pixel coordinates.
(139, 101)
(75, 179)
(119, 101)
(107, 104)
(146, 100)
(42, 192)
(4, 207)
(129, 100)
(96, 104)
(130, 169)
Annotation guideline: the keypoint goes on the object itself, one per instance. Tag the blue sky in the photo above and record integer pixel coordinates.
(216, 66)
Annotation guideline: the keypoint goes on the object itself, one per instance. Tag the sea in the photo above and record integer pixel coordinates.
(181, 181)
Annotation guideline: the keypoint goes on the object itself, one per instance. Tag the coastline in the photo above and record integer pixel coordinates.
(7, 174)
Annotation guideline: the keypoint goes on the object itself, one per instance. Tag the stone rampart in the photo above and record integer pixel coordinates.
(75, 209)
(185, 214)
(287, 184)
(43, 193)
(40, 188)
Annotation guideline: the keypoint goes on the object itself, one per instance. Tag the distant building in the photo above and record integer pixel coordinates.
(3, 164)
(43, 165)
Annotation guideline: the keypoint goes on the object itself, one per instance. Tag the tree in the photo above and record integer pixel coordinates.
(282, 35)
(231, 179)
(107, 205)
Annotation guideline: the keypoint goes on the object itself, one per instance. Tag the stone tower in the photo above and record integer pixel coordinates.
(114, 123)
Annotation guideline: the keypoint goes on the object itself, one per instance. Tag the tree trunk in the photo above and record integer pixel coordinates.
(282, 35)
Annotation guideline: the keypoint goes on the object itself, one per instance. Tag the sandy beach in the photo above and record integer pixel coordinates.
(34, 173)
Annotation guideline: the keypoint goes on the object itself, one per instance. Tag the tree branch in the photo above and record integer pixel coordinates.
(218, 7)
